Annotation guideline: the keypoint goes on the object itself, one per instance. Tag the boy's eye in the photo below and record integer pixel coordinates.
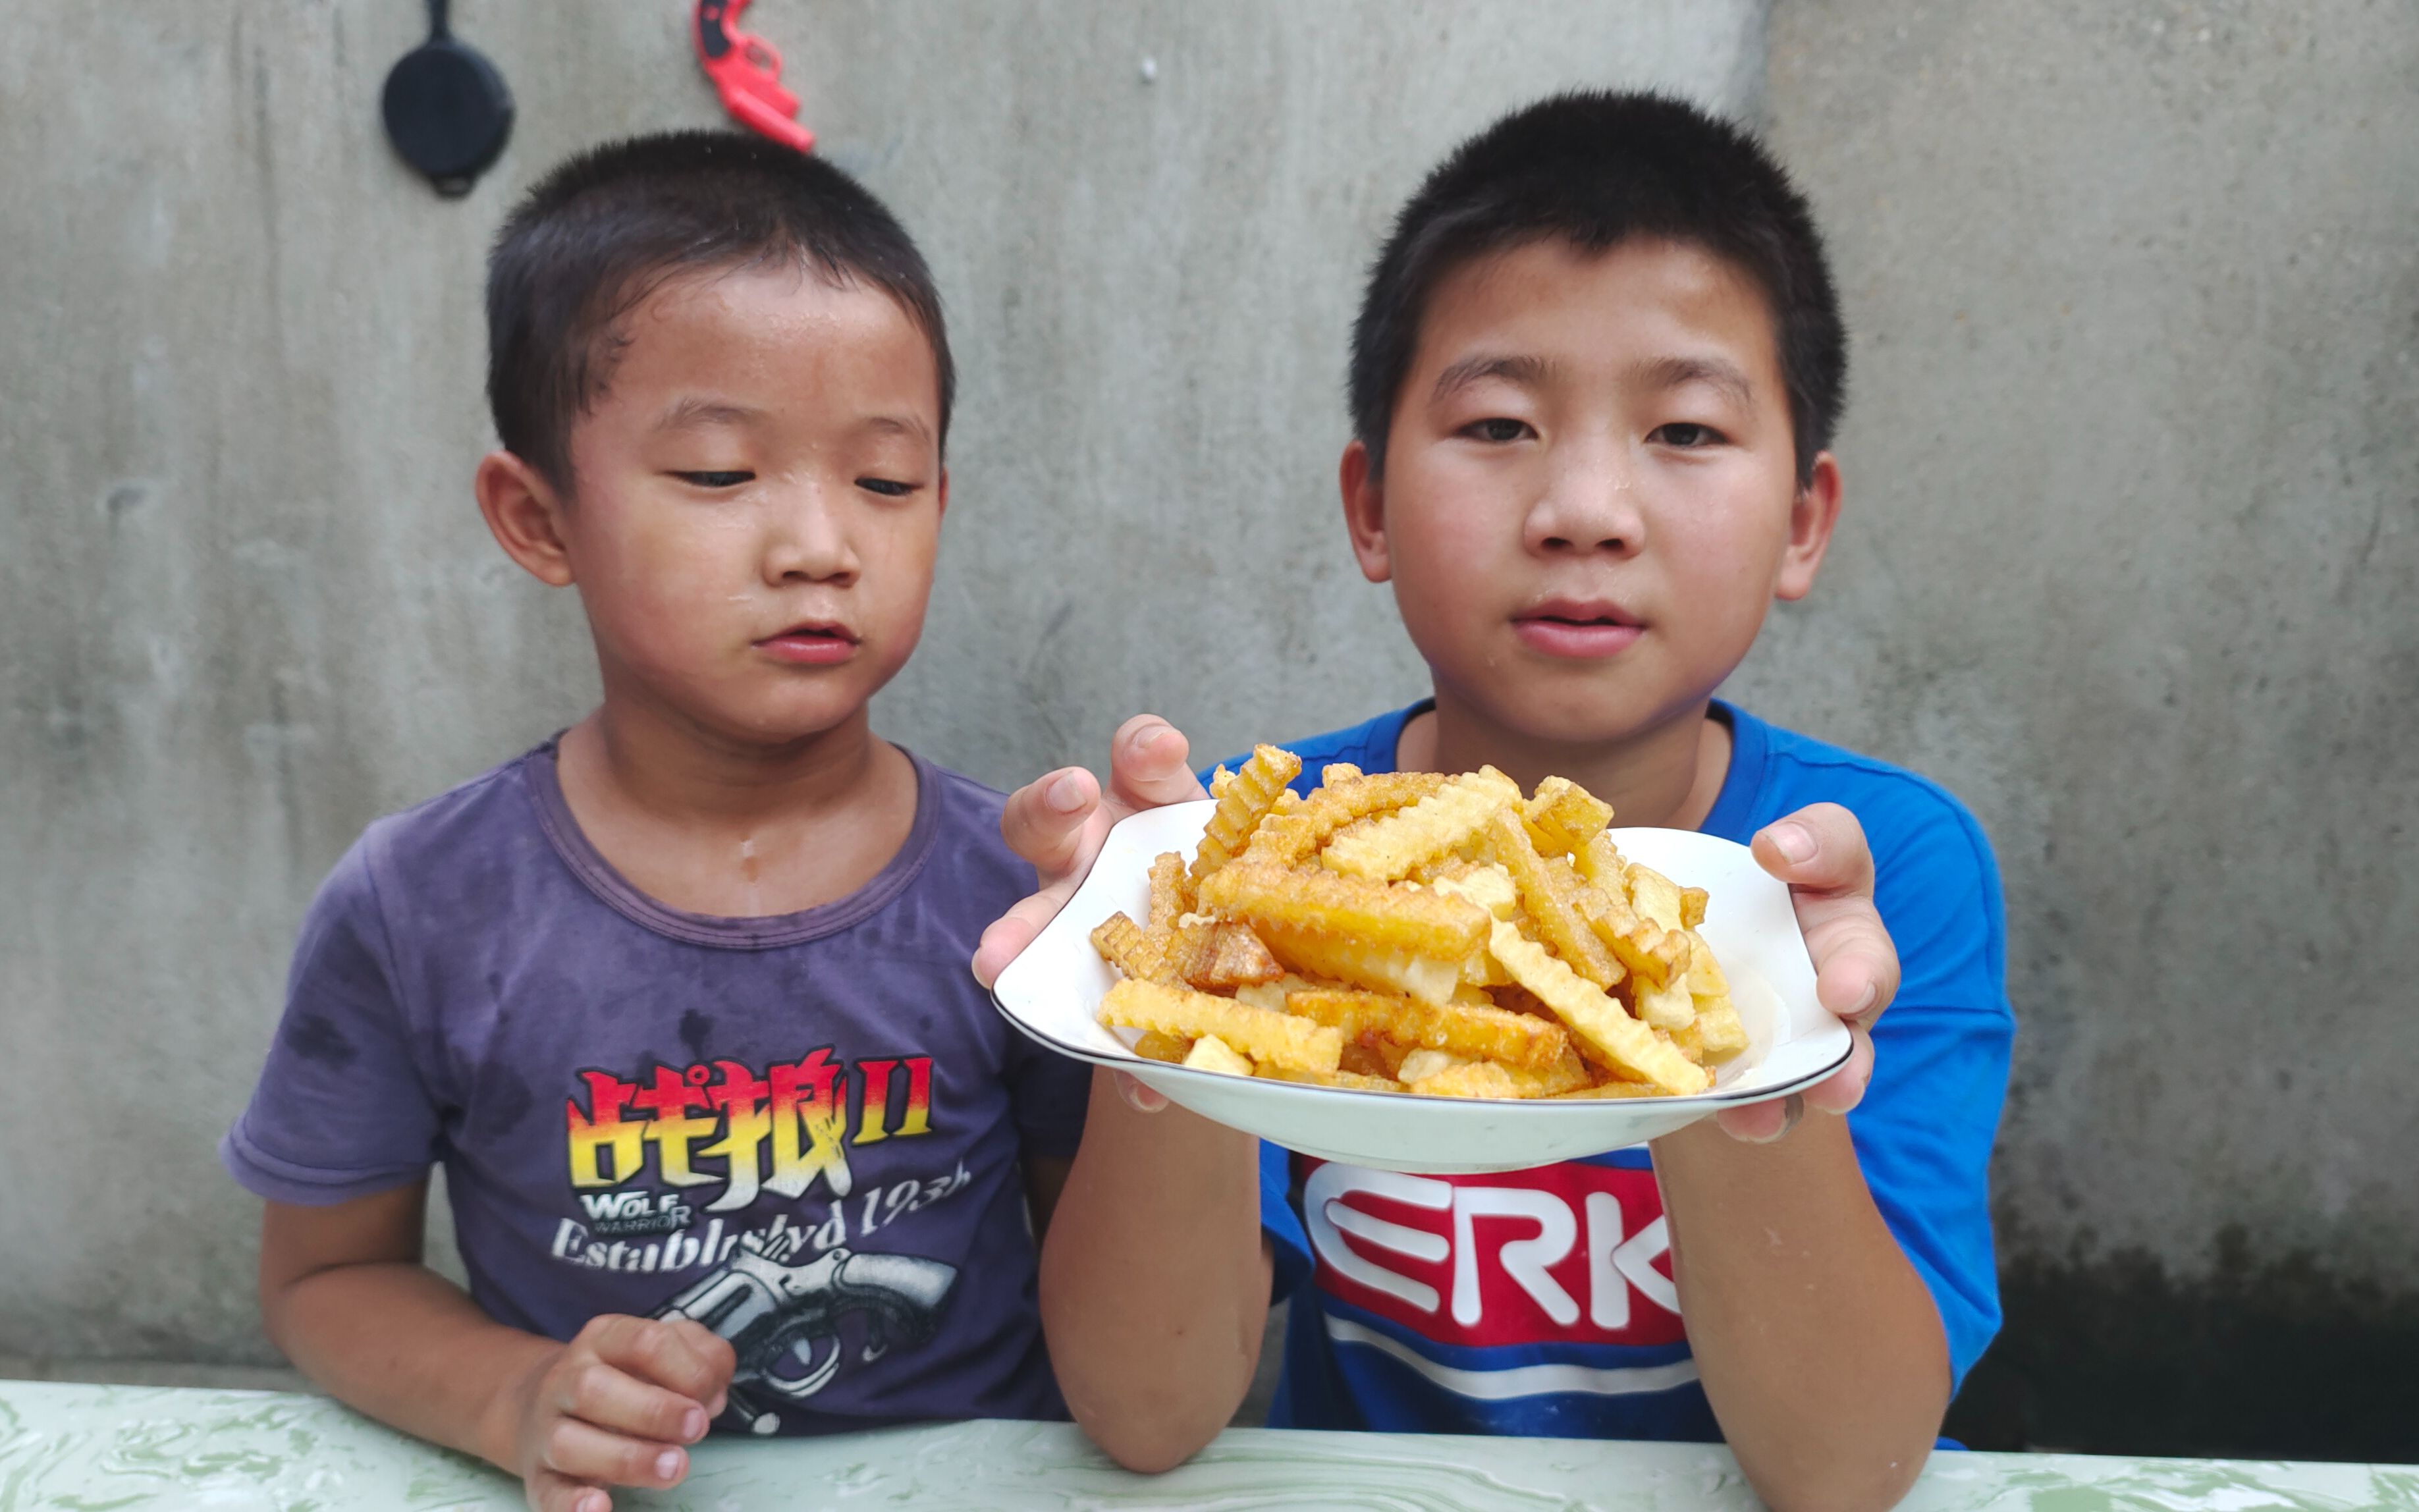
(1498, 429)
(887, 488)
(1682, 433)
(715, 480)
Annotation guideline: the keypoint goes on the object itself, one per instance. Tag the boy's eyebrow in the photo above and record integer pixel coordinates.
(691, 413)
(1471, 370)
(1720, 373)
(907, 426)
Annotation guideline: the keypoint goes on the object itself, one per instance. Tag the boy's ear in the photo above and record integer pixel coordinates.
(1812, 515)
(524, 515)
(1364, 512)
(942, 494)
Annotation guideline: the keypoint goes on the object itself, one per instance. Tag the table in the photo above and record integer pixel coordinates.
(124, 1447)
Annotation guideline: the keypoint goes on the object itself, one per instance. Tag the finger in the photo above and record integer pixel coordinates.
(1758, 1123)
(668, 1354)
(550, 1492)
(1043, 819)
(1820, 849)
(714, 1352)
(611, 1398)
(583, 1451)
(1146, 765)
(1856, 966)
(1138, 1097)
(1844, 1088)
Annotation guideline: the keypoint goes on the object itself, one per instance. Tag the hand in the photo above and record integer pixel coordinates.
(1819, 851)
(1058, 821)
(614, 1408)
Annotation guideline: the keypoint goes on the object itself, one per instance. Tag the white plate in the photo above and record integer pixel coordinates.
(1054, 988)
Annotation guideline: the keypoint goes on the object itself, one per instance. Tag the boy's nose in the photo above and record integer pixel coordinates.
(1590, 504)
(804, 540)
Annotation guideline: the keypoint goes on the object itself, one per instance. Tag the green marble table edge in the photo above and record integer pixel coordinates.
(89, 1447)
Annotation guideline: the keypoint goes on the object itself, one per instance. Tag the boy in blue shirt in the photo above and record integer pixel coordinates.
(1593, 381)
(678, 998)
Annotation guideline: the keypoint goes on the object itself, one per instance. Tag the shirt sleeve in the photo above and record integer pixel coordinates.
(341, 1110)
(1925, 1129)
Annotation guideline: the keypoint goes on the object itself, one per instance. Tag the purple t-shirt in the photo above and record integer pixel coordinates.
(803, 1130)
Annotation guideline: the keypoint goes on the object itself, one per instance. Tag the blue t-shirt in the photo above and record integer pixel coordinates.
(1406, 1316)
(805, 1131)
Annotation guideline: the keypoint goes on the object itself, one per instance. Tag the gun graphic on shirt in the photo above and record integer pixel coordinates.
(772, 1311)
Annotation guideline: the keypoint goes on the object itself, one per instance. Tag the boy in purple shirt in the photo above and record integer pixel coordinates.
(679, 999)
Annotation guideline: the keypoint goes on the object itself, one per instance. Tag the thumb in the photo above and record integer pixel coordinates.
(1148, 764)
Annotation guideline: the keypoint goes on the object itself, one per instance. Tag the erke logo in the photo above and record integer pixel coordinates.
(1567, 1253)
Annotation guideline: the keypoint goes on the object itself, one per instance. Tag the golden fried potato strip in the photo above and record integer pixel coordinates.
(1692, 906)
(1462, 1030)
(1436, 823)
(1613, 1089)
(1123, 944)
(1293, 837)
(1654, 896)
(1356, 1081)
(1592, 1016)
(1246, 801)
(1549, 891)
(1210, 1053)
(1719, 1029)
(1600, 860)
(1154, 1045)
(1491, 887)
(1375, 913)
(1562, 816)
(1475, 1078)
(1221, 955)
(1705, 978)
(1351, 963)
(1664, 1004)
(1277, 1039)
(1649, 953)
(1171, 890)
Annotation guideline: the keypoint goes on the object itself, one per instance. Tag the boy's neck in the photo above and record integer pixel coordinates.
(710, 824)
(1667, 776)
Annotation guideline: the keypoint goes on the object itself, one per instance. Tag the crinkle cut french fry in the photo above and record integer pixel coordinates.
(1563, 816)
(1354, 1081)
(1654, 895)
(1292, 838)
(1705, 978)
(1213, 955)
(1718, 1029)
(1429, 979)
(1463, 1029)
(1603, 1089)
(1279, 1039)
(1171, 890)
(1220, 781)
(1154, 1045)
(1693, 902)
(1600, 860)
(1594, 1017)
(1336, 774)
(1371, 913)
(1210, 1053)
(1491, 887)
(1123, 944)
(1645, 948)
(1246, 801)
(1475, 1078)
(1550, 892)
(1664, 1004)
(1428, 828)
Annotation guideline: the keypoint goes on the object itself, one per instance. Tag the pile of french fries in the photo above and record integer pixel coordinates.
(1417, 932)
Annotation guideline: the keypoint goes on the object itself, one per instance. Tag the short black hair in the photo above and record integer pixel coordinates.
(1596, 168)
(607, 226)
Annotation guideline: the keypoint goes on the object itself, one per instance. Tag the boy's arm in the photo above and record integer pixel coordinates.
(343, 1292)
(1155, 1277)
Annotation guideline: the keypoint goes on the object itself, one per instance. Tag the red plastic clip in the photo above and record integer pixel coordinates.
(747, 73)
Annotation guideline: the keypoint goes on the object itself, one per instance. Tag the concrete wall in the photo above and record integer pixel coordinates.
(247, 604)
(2132, 525)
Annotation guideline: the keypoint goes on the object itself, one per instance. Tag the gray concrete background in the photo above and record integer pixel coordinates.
(249, 606)
(2133, 497)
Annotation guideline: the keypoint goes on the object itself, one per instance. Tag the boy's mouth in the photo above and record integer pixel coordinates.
(814, 643)
(1577, 627)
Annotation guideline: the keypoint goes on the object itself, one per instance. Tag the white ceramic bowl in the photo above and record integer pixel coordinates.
(1054, 988)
